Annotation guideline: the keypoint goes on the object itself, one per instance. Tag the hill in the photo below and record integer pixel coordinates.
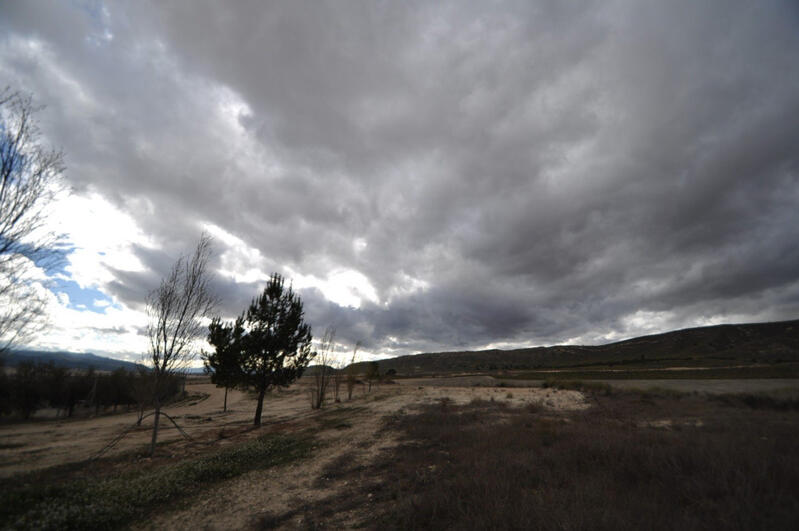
(71, 360)
(709, 346)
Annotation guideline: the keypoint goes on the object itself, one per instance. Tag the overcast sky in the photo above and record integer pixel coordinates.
(431, 176)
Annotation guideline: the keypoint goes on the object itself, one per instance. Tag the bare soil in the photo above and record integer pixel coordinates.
(348, 433)
(352, 442)
(351, 436)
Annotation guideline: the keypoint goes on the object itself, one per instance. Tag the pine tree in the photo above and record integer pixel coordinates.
(224, 364)
(276, 342)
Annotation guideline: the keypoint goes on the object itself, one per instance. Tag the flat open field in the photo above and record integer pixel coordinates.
(712, 386)
(696, 385)
(45, 443)
(387, 458)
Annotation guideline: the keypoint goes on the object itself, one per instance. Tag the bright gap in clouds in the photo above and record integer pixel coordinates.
(245, 264)
(101, 237)
(345, 287)
(86, 299)
(84, 316)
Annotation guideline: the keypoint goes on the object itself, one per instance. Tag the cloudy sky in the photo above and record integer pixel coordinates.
(431, 176)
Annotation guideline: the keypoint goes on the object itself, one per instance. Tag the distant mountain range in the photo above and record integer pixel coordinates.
(71, 360)
(706, 346)
(74, 360)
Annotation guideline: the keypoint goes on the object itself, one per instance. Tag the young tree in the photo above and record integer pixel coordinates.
(276, 345)
(175, 310)
(352, 371)
(224, 363)
(29, 175)
(55, 380)
(338, 378)
(143, 389)
(372, 373)
(324, 369)
(117, 389)
(26, 389)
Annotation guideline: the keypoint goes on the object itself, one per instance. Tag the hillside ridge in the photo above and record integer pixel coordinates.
(770, 342)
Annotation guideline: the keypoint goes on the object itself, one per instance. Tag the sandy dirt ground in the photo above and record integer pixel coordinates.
(45, 443)
(244, 501)
(278, 494)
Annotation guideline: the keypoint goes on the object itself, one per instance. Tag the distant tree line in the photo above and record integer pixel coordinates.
(34, 386)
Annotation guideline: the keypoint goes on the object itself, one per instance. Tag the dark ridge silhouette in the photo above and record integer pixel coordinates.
(70, 360)
(708, 346)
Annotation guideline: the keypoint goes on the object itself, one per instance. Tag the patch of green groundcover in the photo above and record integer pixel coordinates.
(110, 502)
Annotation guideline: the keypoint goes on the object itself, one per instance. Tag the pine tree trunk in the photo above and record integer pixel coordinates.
(260, 407)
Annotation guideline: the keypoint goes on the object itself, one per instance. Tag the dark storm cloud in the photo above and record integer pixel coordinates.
(523, 172)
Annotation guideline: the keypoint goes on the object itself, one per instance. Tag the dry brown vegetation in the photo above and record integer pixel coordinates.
(628, 463)
(423, 454)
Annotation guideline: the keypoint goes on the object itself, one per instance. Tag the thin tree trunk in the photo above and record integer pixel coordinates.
(225, 409)
(260, 407)
(155, 427)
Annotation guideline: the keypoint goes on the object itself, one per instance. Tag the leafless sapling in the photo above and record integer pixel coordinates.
(175, 310)
(352, 371)
(372, 373)
(324, 369)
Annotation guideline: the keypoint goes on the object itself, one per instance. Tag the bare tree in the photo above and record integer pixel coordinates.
(372, 373)
(29, 180)
(325, 369)
(338, 379)
(142, 389)
(175, 310)
(352, 371)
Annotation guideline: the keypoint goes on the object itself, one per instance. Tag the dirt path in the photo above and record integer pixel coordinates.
(350, 436)
(45, 443)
